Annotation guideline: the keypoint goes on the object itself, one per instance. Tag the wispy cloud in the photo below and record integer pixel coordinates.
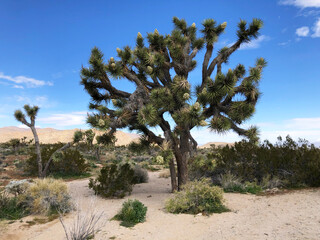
(301, 3)
(18, 86)
(302, 31)
(303, 123)
(256, 43)
(23, 80)
(316, 29)
(284, 43)
(40, 101)
(64, 119)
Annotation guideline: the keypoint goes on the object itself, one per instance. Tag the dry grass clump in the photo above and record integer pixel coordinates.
(230, 182)
(47, 196)
(269, 182)
(140, 175)
(85, 223)
(164, 174)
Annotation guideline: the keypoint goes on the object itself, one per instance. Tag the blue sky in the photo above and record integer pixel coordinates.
(43, 45)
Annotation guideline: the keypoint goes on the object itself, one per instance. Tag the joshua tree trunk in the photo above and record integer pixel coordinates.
(98, 153)
(173, 175)
(45, 170)
(38, 150)
(182, 167)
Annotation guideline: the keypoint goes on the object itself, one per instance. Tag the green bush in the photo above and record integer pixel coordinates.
(113, 181)
(292, 163)
(201, 166)
(140, 175)
(68, 162)
(231, 183)
(197, 197)
(10, 207)
(132, 212)
(47, 196)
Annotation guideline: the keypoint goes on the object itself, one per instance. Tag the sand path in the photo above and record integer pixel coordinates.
(294, 215)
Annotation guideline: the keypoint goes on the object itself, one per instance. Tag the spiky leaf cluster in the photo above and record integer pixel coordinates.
(31, 113)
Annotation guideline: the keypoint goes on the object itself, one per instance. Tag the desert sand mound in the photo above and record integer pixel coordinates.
(217, 144)
(50, 135)
(294, 215)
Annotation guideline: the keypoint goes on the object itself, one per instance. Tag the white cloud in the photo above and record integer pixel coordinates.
(28, 82)
(254, 43)
(316, 29)
(284, 43)
(40, 101)
(303, 123)
(65, 119)
(302, 31)
(301, 3)
(23, 126)
(18, 86)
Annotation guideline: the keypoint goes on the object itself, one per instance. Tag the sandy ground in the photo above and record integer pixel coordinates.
(294, 215)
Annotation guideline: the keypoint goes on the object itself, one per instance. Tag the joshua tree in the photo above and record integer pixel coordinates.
(163, 95)
(89, 135)
(32, 114)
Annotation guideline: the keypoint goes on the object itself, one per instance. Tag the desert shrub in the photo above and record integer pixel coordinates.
(150, 167)
(68, 162)
(140, 175)
(17, 187)
(165, 174)
(252, 187)
(231, 183)
(197, 197)
(113, 181)
(201, 166)
(269, 182)
(47, 196)
(10, 207)
(294, 163)
(132, 212)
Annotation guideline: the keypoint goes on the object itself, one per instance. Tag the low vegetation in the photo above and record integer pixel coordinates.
(46, 196)
(140, 175)
(10, 207)
(132, 212)
(286, 163)
(67, 163)
(113, 181)
(197, 197)
(84, 223)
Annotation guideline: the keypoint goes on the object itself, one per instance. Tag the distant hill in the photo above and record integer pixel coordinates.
(51, 135)
(217, 144)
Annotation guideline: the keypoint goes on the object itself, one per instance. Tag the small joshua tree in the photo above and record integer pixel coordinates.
(21, 117)
(163, 94)
(32, 114)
